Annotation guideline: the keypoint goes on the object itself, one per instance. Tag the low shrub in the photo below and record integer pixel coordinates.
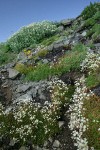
(24, 69)
(31, 34)
(42, 53)
(92, 80)
(50, 40)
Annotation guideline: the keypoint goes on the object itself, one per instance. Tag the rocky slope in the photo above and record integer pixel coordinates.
(22, 82)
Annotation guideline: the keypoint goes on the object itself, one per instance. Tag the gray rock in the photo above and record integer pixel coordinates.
(66, 22)
(23, 98)
(38, 148)
(58, 45)
(50, 47)
(42, 97)
(9, 65)
(50, 139)
(61, 123)
(12, 143)
(66, 42)
(45, 143)
(84, 33)
(97, 45)
(56, 144)
(22, 148)
(21, 56)
(34, 92)
(97, 91)
(45, 61)
(13, 73)
(3, 70)
(23, 88)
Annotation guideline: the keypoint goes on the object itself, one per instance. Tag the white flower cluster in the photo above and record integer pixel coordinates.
(58, 90)
(27, 119)
(78, 123)
(91, 62)
(30, 117)
(31, 34)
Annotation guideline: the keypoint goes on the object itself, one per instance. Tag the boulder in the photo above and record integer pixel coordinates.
(24, 98)
(66, 22)
(56, 144)
(23, 88)
(13, 73)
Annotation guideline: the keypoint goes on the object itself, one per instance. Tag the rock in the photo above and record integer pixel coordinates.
(9, 65)
(58, 46)
(45, 61)
(22, 148)
(23, 88)
(76, 39)
(42, 97)
(21, 56)
(56, 144)
(13, 73)
(34, 92)
(84, 33)
(61, 123)
(23, 98)
(66, 22)
(97, 45)
(45, 143)
(3, 70)
(66, 42)
(38, 148)
(50, 139)
(97, 91)
(50, 47)
(12, 143)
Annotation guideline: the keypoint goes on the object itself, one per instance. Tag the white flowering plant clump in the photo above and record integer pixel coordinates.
(91, 62)
(78, 123)
(85, 108)
(34, 122)
(59, 91)
(31, 34)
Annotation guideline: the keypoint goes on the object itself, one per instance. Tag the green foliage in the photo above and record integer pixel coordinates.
(31, 35)
(93, 20)
(89, 22)
(42, 71)
(93, 80)
(90, 10)
(5, 54)
(23, 69)
(97, 16)
(92, 113)
(50, 40)
(4, 47)
(42, 53)
(94, 32)
(70, 62)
